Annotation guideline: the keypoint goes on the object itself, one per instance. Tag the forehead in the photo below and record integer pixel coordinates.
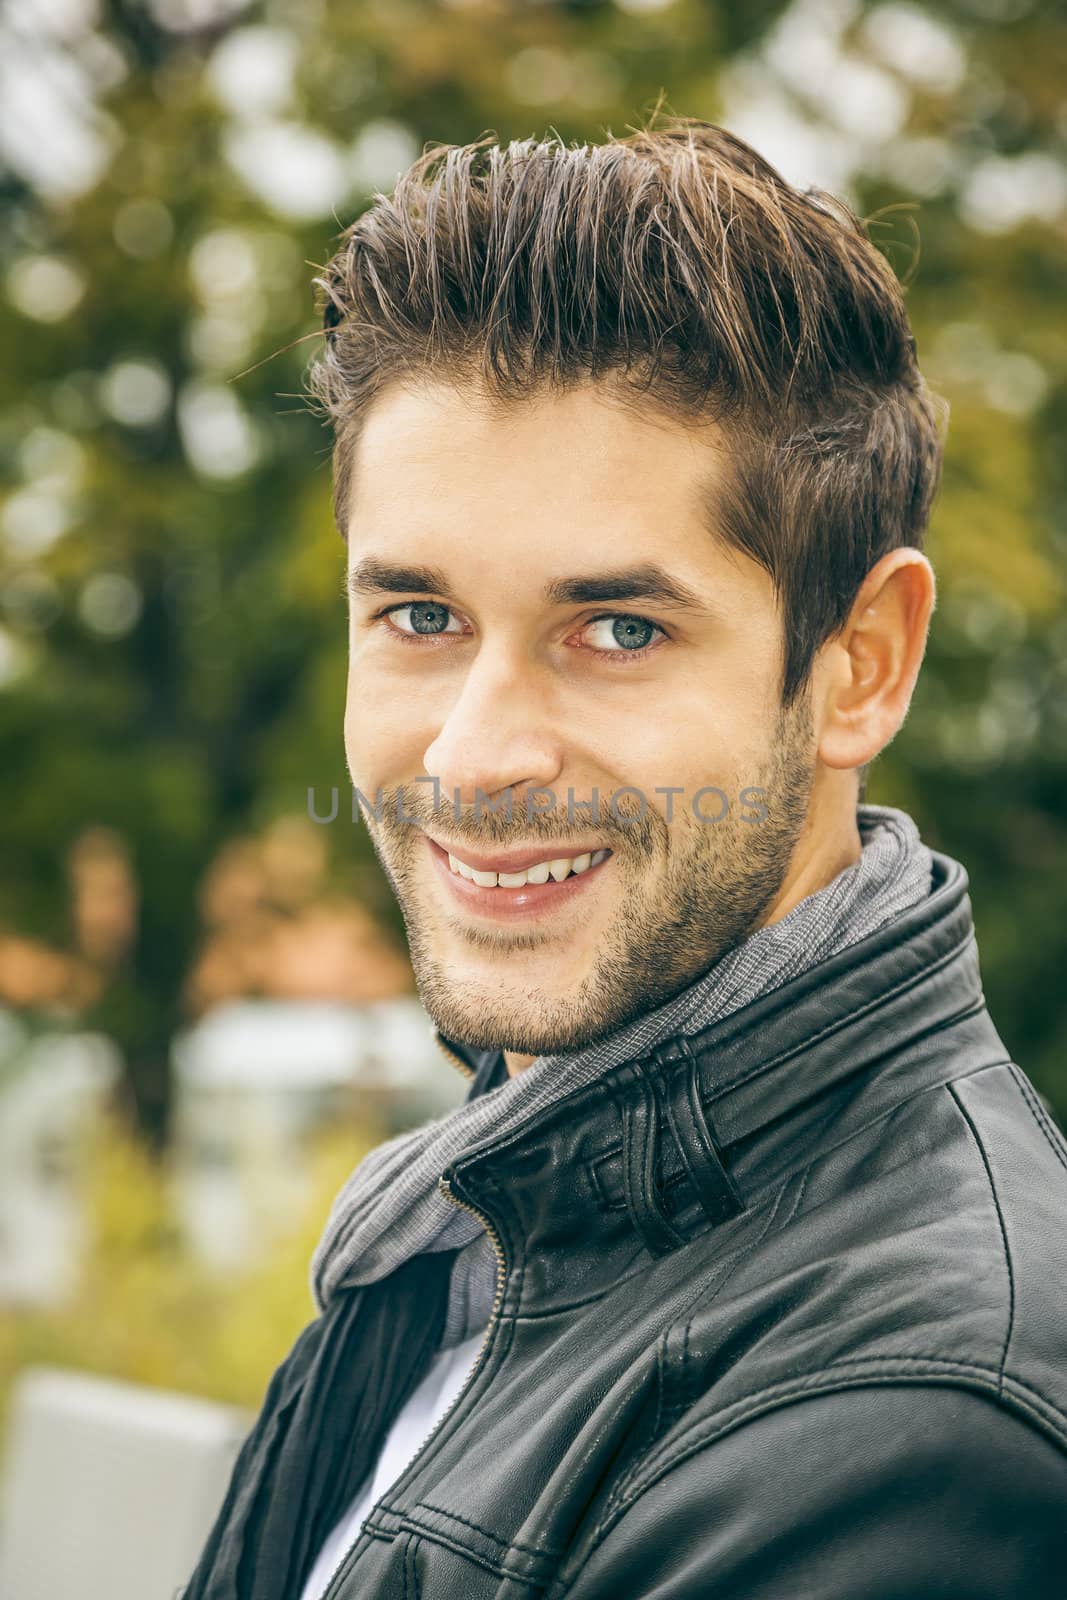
(549, 484)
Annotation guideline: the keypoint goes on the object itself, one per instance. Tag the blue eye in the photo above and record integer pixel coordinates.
(632, 633)
(429, 617)
(627, 633)
(424, 616)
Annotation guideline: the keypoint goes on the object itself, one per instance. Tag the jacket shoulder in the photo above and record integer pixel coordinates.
(872, 1398)
(929, 1244)
(1023, 1156)
(887, 1491)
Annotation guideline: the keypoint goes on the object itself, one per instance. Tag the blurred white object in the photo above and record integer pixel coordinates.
(50, 1090)
(254, 1080)
(110, 1489)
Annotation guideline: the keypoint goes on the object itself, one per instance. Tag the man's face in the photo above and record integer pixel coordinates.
(566, 626)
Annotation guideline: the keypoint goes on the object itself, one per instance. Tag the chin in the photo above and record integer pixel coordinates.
(548, 1027)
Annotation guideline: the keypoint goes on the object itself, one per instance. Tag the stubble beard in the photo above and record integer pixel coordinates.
(690, 892)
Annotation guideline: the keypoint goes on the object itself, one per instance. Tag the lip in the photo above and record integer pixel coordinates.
(516, 860)
(532, 900)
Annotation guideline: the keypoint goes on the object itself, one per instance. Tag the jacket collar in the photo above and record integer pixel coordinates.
(682, 1139)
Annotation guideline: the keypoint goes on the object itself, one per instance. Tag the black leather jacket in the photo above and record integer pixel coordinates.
(781, 1313)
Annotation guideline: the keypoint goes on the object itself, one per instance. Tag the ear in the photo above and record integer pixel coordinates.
(873, 663)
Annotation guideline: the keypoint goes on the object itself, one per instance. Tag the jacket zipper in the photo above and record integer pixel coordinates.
(332, 1590)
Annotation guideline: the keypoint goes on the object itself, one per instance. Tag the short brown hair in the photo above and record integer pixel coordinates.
(680, 262)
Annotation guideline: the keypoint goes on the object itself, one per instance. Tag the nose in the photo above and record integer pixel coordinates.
(500, 733)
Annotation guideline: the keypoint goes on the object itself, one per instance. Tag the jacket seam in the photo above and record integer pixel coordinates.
(877, 1057)
(667, 1415)
(504, 1545)
(1038, 1113)
(932, 1365)
(802, 1192)
(891, 1110)
(709, 1298)
(661, 1379)
(826, 1381)
(491, 1564)
(1003, 1232)
(409, 1569)
(906, 1100)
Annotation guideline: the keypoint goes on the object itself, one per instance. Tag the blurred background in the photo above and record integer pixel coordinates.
(206, 1010)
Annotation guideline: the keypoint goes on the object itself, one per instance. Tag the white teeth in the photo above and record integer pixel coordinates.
(558, 869)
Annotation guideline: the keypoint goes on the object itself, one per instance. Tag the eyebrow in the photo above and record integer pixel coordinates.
(646, 581)
(371, 576)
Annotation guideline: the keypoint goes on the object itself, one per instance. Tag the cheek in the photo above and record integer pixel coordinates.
(686, 743)
(382, 745)
(365, 728)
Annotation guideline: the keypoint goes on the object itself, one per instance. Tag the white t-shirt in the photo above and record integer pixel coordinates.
(428, 1403)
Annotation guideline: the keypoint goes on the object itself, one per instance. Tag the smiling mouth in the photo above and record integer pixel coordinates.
(516, 883)
(554, 868)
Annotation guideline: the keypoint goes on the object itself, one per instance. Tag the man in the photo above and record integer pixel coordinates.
(739, 1270)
